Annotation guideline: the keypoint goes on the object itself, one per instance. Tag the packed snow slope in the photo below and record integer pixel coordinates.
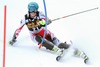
(83, 29)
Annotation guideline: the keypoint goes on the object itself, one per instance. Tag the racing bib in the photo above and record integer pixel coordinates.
(32, 25)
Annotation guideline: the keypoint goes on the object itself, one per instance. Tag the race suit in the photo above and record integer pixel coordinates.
(36, 26)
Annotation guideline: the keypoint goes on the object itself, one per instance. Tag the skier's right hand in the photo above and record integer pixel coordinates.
(12, 41)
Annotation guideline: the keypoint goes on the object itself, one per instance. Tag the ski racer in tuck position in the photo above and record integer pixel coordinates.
(35, 22)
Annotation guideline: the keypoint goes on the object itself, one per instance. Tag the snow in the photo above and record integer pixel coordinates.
(82, 29)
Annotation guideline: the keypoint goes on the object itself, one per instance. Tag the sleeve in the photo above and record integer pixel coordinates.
(18, 30)
(42, 16)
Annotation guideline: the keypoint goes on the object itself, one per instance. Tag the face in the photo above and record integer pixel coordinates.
(32, 14)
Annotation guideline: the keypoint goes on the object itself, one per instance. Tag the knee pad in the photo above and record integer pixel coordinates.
(63, 45)
(38, 38)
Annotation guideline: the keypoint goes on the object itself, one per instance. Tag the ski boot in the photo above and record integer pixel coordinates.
(63, 48)
(81, 54)
(60, 55)
(60, 52)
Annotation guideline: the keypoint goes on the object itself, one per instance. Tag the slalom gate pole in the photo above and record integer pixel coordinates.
(75, 14)
(45, 29)
(4, 37)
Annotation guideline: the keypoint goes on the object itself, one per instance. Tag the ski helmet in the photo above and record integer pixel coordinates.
(33, 7)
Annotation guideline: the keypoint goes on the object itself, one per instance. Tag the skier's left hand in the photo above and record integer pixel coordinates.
(42, 22)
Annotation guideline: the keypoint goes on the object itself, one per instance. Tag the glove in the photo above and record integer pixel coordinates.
(42, 22)
(12, 41)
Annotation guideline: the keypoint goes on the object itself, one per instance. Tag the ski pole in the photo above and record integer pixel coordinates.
(75, 14)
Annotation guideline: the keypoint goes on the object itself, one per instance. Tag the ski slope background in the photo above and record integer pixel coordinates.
(83, 29)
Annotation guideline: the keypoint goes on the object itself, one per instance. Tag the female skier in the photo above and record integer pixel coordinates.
(35, 22)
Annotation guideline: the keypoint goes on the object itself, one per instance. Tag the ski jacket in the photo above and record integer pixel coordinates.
(34, 25)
